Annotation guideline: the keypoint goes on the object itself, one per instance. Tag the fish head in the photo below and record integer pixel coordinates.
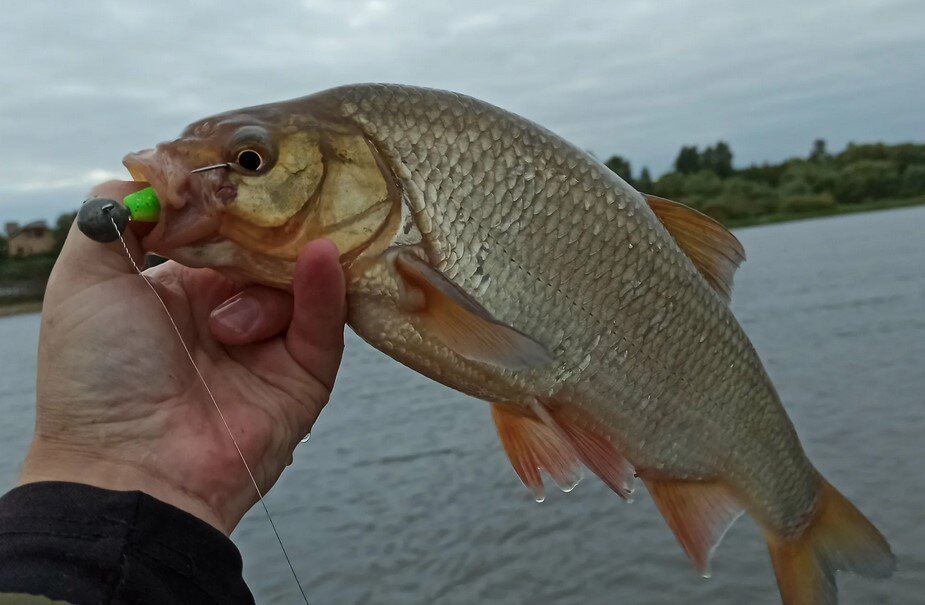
(243, 191)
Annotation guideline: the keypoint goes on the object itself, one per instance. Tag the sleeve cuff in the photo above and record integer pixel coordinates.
(82, 543)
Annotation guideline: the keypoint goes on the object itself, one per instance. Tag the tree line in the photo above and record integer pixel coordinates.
(707, 179)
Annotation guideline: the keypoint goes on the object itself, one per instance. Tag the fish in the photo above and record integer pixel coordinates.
(491, 255)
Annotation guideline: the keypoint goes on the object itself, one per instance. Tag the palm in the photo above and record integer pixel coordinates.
(113, 375)
(267, 399)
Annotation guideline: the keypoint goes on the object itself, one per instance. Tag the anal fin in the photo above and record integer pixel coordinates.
(596, 448)
(698, 512)
(532, 446)
(558, 439)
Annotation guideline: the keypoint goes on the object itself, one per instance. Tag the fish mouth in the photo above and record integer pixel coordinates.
(189, 215)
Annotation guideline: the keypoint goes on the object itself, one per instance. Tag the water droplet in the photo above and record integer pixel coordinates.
(539, 498)
(305, 438)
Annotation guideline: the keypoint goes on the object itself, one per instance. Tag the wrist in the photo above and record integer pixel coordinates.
(59, 462)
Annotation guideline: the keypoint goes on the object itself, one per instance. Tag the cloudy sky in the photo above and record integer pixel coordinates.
(82, 83)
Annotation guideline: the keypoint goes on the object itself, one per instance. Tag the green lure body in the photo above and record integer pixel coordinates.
(143, 205)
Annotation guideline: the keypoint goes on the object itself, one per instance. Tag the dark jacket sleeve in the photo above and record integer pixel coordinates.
(88, 546)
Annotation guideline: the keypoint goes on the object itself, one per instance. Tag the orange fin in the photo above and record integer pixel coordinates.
(839, 537)
(462, 323)
(698, 512)
(596, 448)
(713, 249)
(532, 446)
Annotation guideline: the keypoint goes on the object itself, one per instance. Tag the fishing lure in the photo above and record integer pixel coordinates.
(97, 217)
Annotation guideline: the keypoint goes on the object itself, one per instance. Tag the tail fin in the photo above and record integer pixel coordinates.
(839, 537)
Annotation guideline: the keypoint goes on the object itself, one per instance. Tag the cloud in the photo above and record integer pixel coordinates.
(88, 82)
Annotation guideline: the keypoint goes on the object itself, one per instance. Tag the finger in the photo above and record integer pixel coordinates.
(316, 336)
(252, 315)
(84, 261)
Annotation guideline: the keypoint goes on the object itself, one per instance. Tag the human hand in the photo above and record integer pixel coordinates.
(119, 405)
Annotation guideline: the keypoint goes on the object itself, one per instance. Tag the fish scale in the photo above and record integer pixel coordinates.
(666, 290)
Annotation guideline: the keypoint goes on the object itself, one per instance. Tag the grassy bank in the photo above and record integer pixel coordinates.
(31, 267)
(19, 308)
(28, 275)
(784, 217)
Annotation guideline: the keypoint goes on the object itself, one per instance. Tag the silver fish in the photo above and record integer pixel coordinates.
(491, 255)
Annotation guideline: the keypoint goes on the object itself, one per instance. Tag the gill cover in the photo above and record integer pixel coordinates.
(323, 183)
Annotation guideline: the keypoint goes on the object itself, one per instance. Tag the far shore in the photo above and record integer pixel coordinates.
(780, 217)
(26, 307)
(20, 308)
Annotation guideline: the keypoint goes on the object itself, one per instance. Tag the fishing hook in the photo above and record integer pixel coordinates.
(212, 167)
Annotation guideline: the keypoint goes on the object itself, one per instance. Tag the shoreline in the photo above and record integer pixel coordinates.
(35, 306)
(839, 210)
(20, 308)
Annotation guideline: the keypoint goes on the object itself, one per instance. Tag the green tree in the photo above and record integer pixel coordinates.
(750, 191)
(644, 182)
(702, 186)
(4, 247)
(854, 153)
(765, 173)
(717, 159)
(907, 154)
(806, 176)
(902, 156)
(818, 152)
(688, 160)
(867, 180)
(62, 226)
(622, 167)
(913, 181)
(671, 185)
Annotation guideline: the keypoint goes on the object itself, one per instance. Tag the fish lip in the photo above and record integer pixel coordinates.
(144, 171)
(187, 216)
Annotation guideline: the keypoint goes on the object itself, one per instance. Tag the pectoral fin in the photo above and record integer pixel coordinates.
(459, 321)
(711, 247)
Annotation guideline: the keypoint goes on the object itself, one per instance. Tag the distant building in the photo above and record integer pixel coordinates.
(29, 239)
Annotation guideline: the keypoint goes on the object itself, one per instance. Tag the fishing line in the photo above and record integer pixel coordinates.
(218, 409)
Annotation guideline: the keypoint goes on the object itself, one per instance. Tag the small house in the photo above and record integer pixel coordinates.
(30, 239)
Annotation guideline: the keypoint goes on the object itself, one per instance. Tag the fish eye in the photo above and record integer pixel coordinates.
(251, 150)
(250, 160)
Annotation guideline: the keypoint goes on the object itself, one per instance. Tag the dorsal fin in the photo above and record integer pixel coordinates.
(711, 247)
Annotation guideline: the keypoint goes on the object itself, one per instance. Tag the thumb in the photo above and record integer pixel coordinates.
(83, 261)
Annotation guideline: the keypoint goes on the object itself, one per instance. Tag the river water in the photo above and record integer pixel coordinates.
(403, 494)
